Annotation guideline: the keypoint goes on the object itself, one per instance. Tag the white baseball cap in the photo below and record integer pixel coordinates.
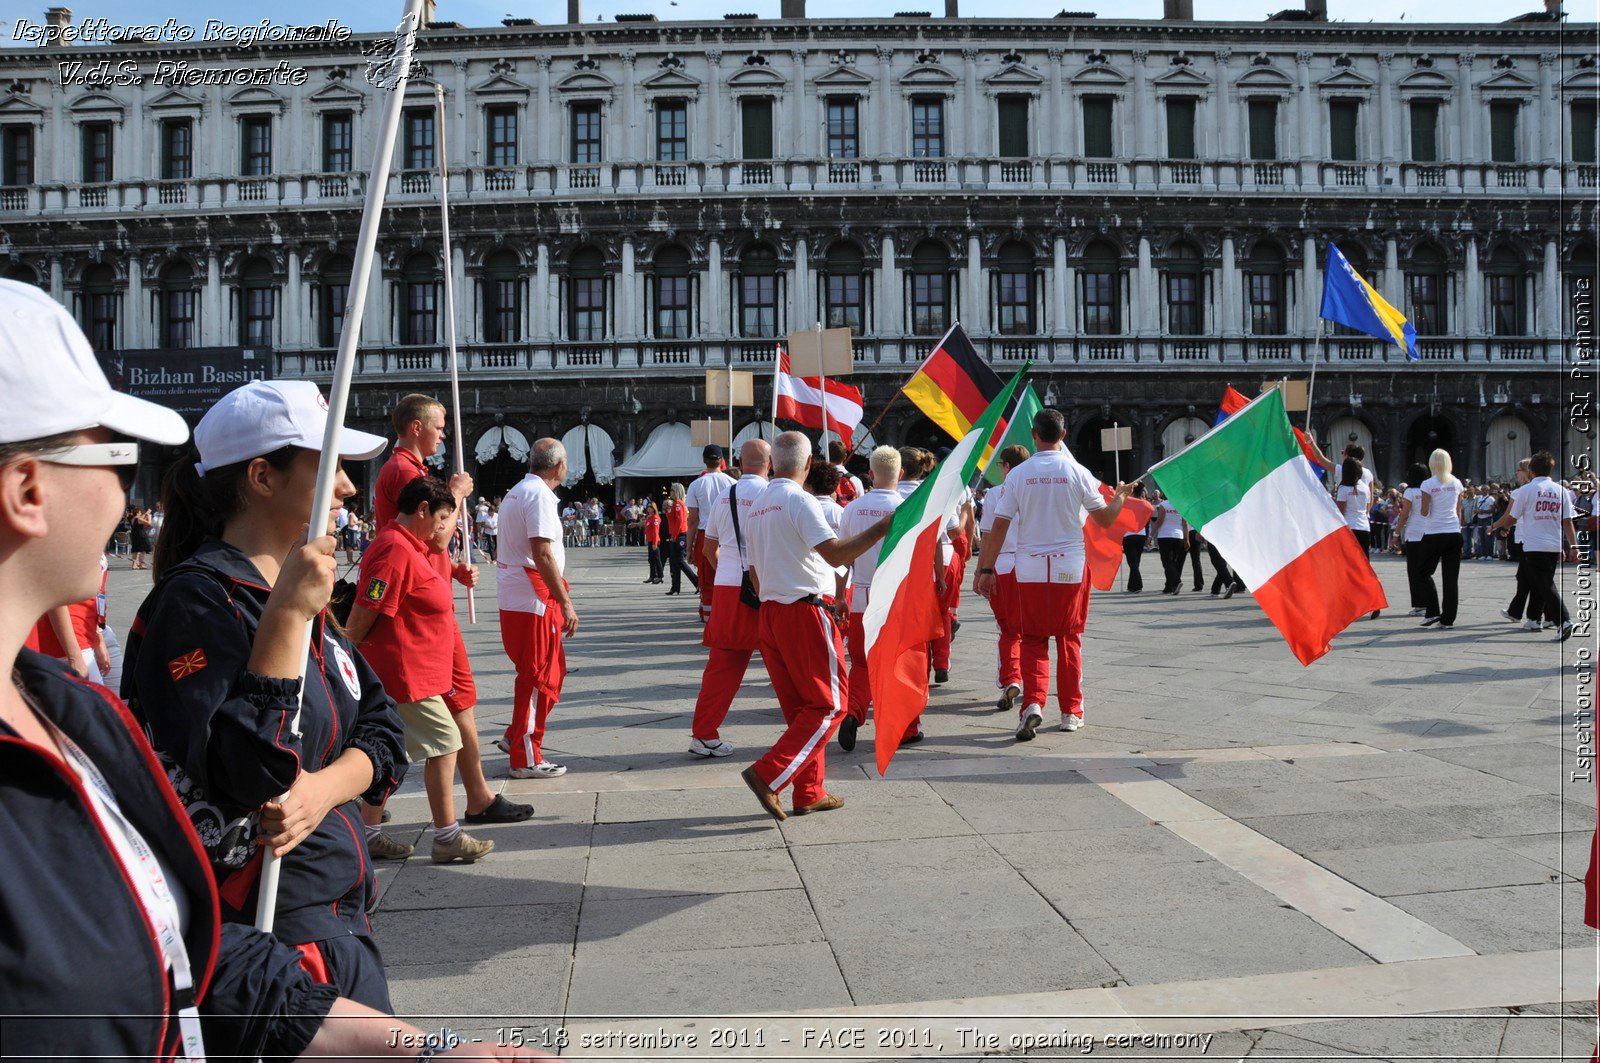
(53, 384)
(267, 415)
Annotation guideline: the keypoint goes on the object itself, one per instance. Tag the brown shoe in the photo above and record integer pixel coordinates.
(763, 792)
(827, 803)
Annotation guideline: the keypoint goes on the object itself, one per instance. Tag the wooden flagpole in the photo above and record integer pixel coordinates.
(463, 517)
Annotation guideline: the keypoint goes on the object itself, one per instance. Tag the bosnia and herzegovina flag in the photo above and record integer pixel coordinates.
(953, 385)
(903, 613)
(1349, 300)
(1244, 487)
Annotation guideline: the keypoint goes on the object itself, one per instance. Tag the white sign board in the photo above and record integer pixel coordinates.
(1116, 439)
(744, 389)
(825, 353)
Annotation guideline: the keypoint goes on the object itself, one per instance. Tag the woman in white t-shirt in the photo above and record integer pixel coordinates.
(1354, 499)
(1440, 545)
(1171, 535)
(1408, 533)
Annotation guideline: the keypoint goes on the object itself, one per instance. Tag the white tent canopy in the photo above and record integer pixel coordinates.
(668, 452)
(501, 435)
(589, 449)
(755, 430)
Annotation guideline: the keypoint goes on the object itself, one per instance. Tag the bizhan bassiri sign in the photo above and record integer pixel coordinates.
(188, 381)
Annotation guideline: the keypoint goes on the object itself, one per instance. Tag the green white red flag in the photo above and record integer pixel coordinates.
(1245, 487)
(903, 612)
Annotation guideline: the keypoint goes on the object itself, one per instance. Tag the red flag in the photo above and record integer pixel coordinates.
(1104, 545)
(1233, 402)
(799, 398)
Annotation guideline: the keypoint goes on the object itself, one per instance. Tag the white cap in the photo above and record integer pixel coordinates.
(267, 415)
(53, 384)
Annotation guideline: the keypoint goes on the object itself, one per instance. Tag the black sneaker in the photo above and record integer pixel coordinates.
(847, 733)
(501, 811)
(941, 676)
(912, 739)
(1565, 632)
(955, 626)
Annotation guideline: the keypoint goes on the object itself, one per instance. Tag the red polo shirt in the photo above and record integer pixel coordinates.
(401, 468)
(678, 519)
(401, 583)
(83, 625)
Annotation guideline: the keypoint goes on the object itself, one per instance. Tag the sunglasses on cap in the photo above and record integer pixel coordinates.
(123, 457)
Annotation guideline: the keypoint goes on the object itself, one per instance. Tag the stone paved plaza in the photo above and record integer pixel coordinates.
(1379, 856)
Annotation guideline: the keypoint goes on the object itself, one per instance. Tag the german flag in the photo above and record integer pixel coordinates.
(953, 386)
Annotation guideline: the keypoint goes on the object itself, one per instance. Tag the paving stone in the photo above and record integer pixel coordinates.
(1139, 849)
(1454, 1036)
(617, 873)
(488, 883)
(1319, 797)
(465, 935)
(876, 811)
(519, 990)
(1431, 867)
(697, 921)
(1034, 801)
(1536, 814)
(787, 977)
(1354, 829)
(1506, 918)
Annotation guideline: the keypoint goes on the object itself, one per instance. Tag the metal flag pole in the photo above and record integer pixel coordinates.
(344, 364)
(822, 375)
(777, 367)
(450, 333)
(1311, 388)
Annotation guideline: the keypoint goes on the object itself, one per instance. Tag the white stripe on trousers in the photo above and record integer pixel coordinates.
(827, 721)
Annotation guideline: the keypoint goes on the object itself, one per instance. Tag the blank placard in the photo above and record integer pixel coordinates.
(744, 388)
(1116, 439)
(834, 357)
(1295, 397)
(702, 432)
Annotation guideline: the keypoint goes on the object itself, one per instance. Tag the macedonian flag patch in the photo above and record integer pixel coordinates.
(187, 665)
(376, 590)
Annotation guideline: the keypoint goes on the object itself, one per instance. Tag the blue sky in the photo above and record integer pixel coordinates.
(372, 15)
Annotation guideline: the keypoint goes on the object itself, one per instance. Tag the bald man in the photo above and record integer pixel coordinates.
(733, 632)
(536, 611)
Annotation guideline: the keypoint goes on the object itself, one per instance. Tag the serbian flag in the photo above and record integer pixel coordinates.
(1233, 402)
(903, 612)
(1244, 486)
(953, 385)
(1104, 545)
(799, 398)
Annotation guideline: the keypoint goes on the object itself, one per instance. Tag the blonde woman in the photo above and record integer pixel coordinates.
(677, 540)
(1440, 545)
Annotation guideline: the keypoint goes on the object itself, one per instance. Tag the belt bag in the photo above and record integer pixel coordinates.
(747, 587)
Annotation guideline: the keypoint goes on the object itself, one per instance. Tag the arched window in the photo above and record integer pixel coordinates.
(586, 295)
(1508, 304)
(758, 292)
(502, 298)
(17, 271)
(333, 292)
(98, 304)
(930, 289)
(178, 299)
(1098, 282)
(672, 291)
(843, 274)
(1264, 273)
(256, 303)
(1014, 290)
(419, 286)
(1426, 283)
(1184, 284)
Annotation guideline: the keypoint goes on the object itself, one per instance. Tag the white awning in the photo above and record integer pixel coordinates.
(501, 435)
(755, 430)
(589, 449)
(668, 452)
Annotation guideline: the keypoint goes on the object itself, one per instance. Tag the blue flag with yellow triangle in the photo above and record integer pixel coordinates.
(1348, 300)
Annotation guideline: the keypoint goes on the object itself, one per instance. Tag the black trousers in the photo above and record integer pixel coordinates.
(1132, 551)
(654, 555)
(675, 554)
(1524, 599)
(1412, 551)
(1364, 538)
(1544, 601)
(1224, 577)
(1195, 550)
(1171, 563)
(1441, 550)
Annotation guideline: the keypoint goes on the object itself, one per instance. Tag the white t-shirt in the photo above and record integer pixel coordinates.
(1006, 560)
(1414, 516)
(719, 526)
(1442, 517)
(704, 492)
(907, 488)
(491, 523)
(1357, 504)
(858, 516)
(786, 523)
(1540, 506)
(1169, 524)
(1486, 506)
(528, 512)
(1045, 500)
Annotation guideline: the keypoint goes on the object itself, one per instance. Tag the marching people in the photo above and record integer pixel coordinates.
(213, 672)
(1226, 582)
(1440, 545)
(402, 602)
(1133, 547)
(1408, 529)
(702, 494)
(1523, 596)
(793, 553)
(1354, 499)
(1171, 535)
(676, 540)
(652, 542)
(1003, 599)
(1543, 511)
(860, 515)
(536, 610)
(1195, 545)
(733, 633)
(419, 426)
(1044, 499)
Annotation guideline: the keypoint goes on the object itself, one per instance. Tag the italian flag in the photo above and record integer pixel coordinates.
(903, 613)
(1246, 488)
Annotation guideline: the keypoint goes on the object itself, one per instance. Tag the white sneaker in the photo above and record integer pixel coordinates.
(1032, 717)
(1507, 614)
(714, 748)
(503, 746)
(543, 770)
(1070, 722)
(1531, 625)
(1416, 612)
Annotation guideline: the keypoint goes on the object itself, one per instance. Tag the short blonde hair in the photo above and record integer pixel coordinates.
(885, 463)
(1440, 465)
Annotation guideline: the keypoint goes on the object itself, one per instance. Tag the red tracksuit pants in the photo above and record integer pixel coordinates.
(1002, 602)
(803, 648)
(954, 573)
(1057, 611)
(860, 684)
(724, 672)
(533, 642)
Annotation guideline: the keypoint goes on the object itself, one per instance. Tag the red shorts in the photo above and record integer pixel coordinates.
(733, 625)
(1046, 610)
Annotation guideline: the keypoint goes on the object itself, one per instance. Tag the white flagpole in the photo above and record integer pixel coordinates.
(822, 375)
(450, 333)
(1311, 388)
(777, 367)
(344, 365)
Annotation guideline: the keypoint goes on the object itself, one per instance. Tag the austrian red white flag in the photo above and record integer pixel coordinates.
(799, 398)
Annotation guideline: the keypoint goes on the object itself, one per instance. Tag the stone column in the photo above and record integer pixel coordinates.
(1227, 120)
(1310, 287)
(1310, 127)
(1472, 313)
(1388, 115)
(1230, 306)
(465, 333)
(627, 296)
(544, 324)
(886, 127)
(213, 312)
(713, 146)
(1391, 268)
(1058, 290)
(1145, 292)
(969, 140)
(214, 129)
(377, 323)
(58, 287)
(890, 319)
(1051, 139)
(1466, 109)
(976, 311)
(1144, 116)
(1551, 325)
(802, 115)
(455, 110)
(1545, 114)
(803, 310)
(714, 320)
(549, 115)
(136, 314)
(292, 326)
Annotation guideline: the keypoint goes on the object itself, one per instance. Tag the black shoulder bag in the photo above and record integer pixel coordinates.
(747, 588)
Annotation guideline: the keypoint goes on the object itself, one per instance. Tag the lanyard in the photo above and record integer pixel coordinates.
(150, 882)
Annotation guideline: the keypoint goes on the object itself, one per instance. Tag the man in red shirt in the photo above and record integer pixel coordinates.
(401, 601)
(419, 424)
